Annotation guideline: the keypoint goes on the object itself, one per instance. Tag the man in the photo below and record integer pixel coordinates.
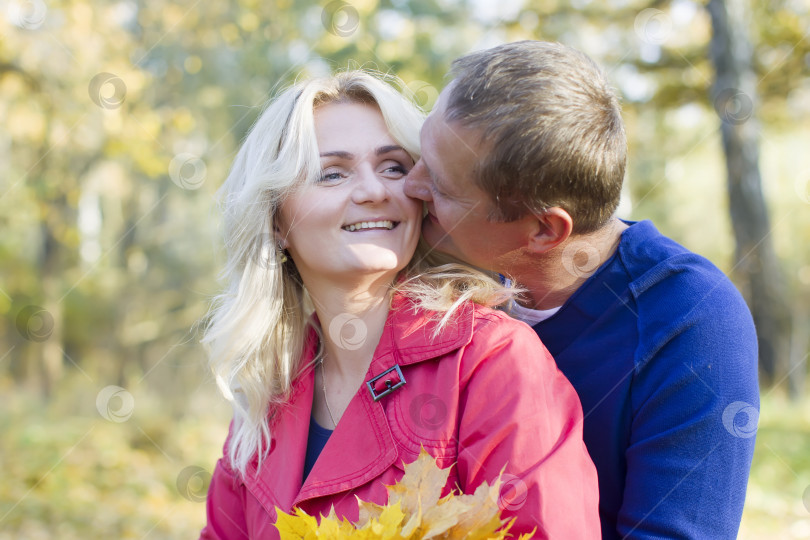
(523, 159)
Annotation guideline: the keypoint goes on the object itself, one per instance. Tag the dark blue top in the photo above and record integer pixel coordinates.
(662, 351)
(315, 442)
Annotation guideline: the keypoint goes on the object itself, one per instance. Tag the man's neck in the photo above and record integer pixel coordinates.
(552, 278)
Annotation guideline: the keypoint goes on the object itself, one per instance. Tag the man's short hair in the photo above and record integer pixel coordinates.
(552, 128)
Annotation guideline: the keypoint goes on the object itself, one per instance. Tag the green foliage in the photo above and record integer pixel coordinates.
(123, 255)
(69, 473)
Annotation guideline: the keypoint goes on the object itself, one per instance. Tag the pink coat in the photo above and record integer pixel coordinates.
(484, 395)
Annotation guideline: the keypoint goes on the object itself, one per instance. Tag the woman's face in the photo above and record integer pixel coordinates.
(356, 220)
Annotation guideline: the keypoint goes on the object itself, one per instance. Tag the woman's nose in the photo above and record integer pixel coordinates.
(369, 187)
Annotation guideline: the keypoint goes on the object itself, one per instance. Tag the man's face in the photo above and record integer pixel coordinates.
(458, 210)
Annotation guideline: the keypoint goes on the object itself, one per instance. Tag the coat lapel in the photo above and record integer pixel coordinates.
(361, 447)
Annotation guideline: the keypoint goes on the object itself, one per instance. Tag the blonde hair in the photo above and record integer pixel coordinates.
(257, 327)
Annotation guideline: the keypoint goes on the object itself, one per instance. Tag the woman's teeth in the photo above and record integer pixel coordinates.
(369, 225)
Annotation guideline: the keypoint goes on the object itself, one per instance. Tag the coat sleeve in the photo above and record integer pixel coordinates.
(225, 504)
(519, 414)
(695, 404)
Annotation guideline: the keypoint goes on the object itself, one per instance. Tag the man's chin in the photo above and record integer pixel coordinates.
(438, 239)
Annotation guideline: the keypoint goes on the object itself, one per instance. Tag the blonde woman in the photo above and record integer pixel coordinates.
(344, 350)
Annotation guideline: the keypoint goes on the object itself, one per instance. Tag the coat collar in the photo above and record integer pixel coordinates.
(364, 426)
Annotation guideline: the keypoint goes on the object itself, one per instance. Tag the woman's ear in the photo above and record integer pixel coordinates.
(281, 240)
(279, 237)
(554, 226)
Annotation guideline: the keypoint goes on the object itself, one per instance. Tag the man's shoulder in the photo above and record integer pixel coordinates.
(675, 290)
(655, 264)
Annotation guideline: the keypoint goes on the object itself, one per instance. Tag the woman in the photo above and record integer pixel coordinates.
(344, 352)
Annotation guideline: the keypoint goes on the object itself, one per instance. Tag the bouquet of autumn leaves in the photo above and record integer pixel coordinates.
(414, 511)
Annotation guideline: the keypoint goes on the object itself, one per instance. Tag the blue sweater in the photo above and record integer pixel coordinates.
(662, 350)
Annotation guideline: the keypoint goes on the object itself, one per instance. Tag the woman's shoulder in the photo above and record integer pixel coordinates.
(491, 320)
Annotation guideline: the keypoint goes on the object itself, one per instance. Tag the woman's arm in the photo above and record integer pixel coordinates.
(225, 504)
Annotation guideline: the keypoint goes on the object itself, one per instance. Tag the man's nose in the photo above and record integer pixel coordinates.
(417, 182)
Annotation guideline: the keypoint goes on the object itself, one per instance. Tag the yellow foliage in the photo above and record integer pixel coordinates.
(414, 511)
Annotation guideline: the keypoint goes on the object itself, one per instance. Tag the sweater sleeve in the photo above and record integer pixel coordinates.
(225, 504)
(520, 415)
(695, 406)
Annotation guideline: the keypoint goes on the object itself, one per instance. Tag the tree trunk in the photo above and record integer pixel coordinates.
(758, 269)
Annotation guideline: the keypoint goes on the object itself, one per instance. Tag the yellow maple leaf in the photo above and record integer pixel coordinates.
(421, 486)
(296, 526)
(414, 511)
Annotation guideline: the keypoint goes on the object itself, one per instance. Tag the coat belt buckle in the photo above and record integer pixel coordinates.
(387, 385)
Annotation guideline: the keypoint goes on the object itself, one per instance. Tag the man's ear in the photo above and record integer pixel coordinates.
(554, 226)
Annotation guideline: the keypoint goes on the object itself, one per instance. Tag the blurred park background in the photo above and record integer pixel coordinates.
(120, 120)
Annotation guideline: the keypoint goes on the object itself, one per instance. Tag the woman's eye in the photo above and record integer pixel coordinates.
(396, 170)
(330, 176)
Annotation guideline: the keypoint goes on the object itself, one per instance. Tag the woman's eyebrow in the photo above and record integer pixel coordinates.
(338, 153)
(379, 151)
(388, 148)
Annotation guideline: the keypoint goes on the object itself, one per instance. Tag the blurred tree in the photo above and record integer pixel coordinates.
(759, 271)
